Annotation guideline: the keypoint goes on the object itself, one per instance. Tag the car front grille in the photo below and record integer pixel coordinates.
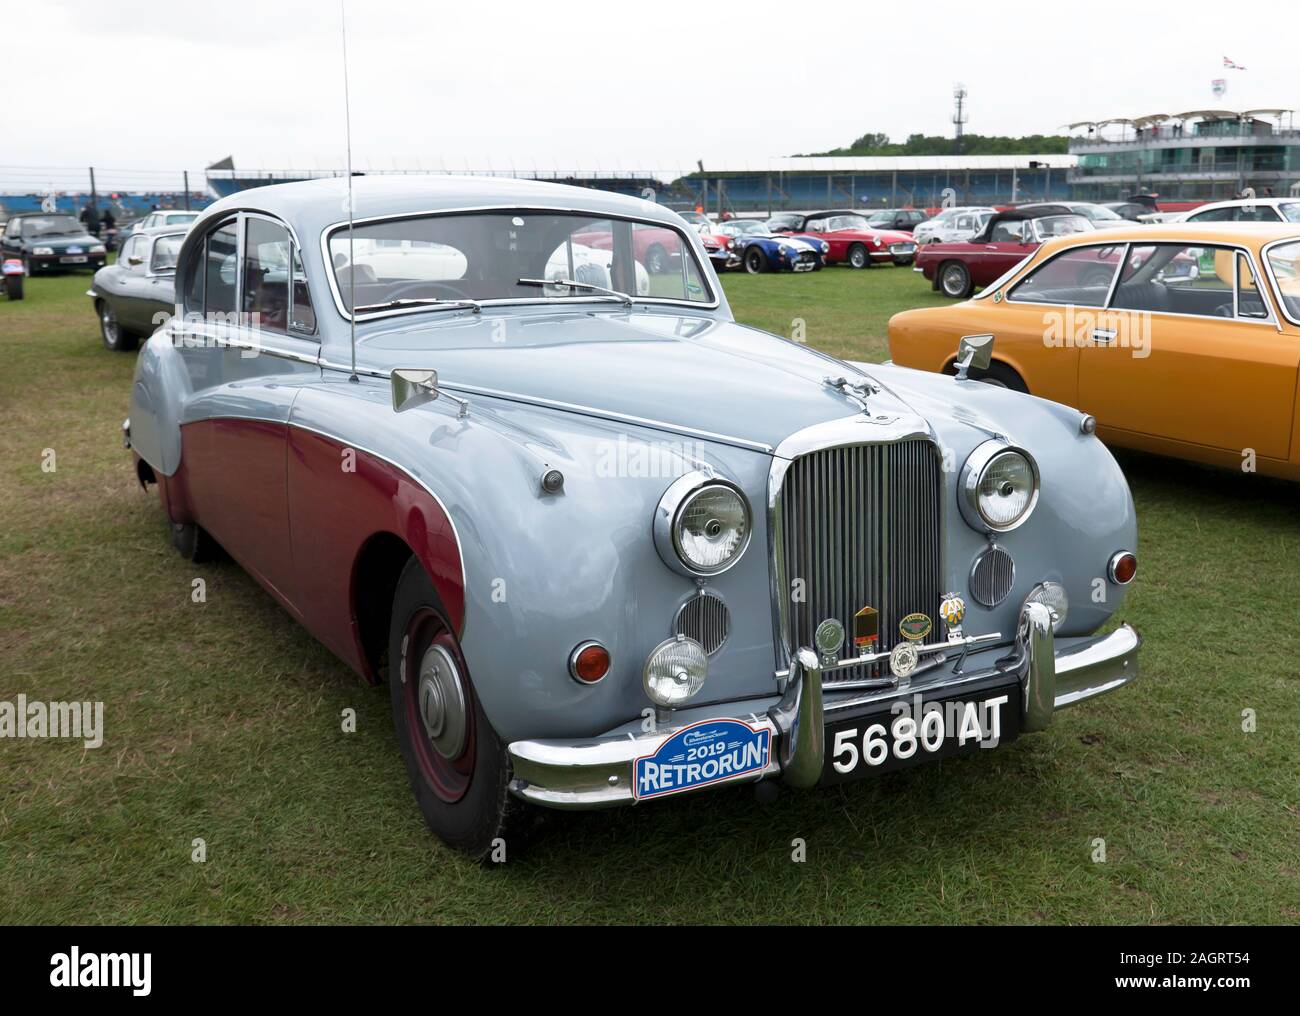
(861, 526)
(808, 255)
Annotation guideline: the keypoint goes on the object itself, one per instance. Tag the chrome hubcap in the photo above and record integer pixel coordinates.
(442, 702)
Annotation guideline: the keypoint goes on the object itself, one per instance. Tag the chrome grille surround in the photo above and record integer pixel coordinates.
(706, 619)
(857, 504)
(992, 576)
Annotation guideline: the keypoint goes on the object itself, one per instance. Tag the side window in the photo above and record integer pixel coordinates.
(1008, 232)
(1080, 276)
(816, 226)
(1213, 215)
(11, 228)
(1176, 278)
(130, 249)
(194, 274)
(266, 274)
(220, 275)
(665, 266)
(1250, 304)
(302, 316)
(165, 251)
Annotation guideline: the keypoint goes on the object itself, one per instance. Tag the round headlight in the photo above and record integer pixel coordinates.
(783, 249)
(999, 487)
(701, 525)
(1051, 595)
(674, 671)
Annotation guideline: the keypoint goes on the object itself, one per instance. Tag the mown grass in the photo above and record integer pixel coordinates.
(224, 721)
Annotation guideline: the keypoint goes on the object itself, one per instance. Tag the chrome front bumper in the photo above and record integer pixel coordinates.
(598, 772)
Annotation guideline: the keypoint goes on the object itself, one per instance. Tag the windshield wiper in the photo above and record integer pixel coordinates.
(473, 305)
(571, 284)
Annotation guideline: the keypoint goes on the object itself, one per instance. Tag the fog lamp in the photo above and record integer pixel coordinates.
(675, 670)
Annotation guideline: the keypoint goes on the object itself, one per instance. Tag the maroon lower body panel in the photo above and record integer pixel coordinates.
(296, 509)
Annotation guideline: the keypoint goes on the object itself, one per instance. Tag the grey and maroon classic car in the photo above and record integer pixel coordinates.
(605, 544)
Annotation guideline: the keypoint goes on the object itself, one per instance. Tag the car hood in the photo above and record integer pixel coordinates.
(681, 373)
(885, 236)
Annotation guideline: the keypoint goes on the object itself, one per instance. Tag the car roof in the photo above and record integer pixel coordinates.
(1272, 202)
(313, 205)
(1248, 234)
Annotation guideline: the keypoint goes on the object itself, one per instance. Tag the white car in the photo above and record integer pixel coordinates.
(1100, 216)
(953, 224)
(1247, 210)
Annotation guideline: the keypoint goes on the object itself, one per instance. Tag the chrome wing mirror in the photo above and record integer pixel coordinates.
(974, 352)
(413, 388)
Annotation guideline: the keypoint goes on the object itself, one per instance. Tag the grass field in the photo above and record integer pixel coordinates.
(223, 721)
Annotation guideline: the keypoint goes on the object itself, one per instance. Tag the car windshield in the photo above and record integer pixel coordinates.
(179, 218)
(51, 225)
(520, 256)
(1060, 225)
(1095, 212)
(739, 227)
(779, 222)
(840, 222)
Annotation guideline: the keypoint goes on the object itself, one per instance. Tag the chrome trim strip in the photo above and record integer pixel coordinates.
(696, 247)
(1276, 287)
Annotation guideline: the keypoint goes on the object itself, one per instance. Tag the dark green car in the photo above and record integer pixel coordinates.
(51, 242)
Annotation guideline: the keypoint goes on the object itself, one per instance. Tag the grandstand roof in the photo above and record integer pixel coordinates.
(878, 163)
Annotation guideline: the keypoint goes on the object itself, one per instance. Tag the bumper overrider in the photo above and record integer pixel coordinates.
(789, 740)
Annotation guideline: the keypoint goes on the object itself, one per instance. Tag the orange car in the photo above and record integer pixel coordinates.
(1182, 340)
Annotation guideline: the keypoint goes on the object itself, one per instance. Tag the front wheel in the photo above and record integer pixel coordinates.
(755, 261)
(858, 257)
(14, 287)
(457, 765)
(954, 280)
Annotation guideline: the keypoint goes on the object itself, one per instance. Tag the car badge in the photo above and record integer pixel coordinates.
(997, 297)
(828, 638)
(866, 627)
(915, 627)
(952, 608)
(74, 250)
(903, 659)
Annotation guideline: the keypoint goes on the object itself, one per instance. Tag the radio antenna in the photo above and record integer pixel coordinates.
(347, 130)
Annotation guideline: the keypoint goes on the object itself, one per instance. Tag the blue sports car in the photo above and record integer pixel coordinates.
(761, 250)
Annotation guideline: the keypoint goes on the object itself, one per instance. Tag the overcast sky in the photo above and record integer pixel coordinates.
(147, 84)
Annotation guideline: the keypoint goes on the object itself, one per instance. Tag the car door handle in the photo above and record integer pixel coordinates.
(1103, 336)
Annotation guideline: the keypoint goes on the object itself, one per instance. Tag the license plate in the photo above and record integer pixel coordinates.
(81, 260)
(804, 266)
(916, 730)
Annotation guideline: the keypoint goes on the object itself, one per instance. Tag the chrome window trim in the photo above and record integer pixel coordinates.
(686, 237)
(1274, 287)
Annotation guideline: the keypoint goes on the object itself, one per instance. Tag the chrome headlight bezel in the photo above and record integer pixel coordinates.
(973, 472)
(668, 513)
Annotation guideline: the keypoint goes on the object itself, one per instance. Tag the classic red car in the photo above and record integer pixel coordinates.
(852, 240)
(1008, 238)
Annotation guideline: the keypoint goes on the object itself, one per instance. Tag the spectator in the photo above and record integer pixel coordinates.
(90, 218)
